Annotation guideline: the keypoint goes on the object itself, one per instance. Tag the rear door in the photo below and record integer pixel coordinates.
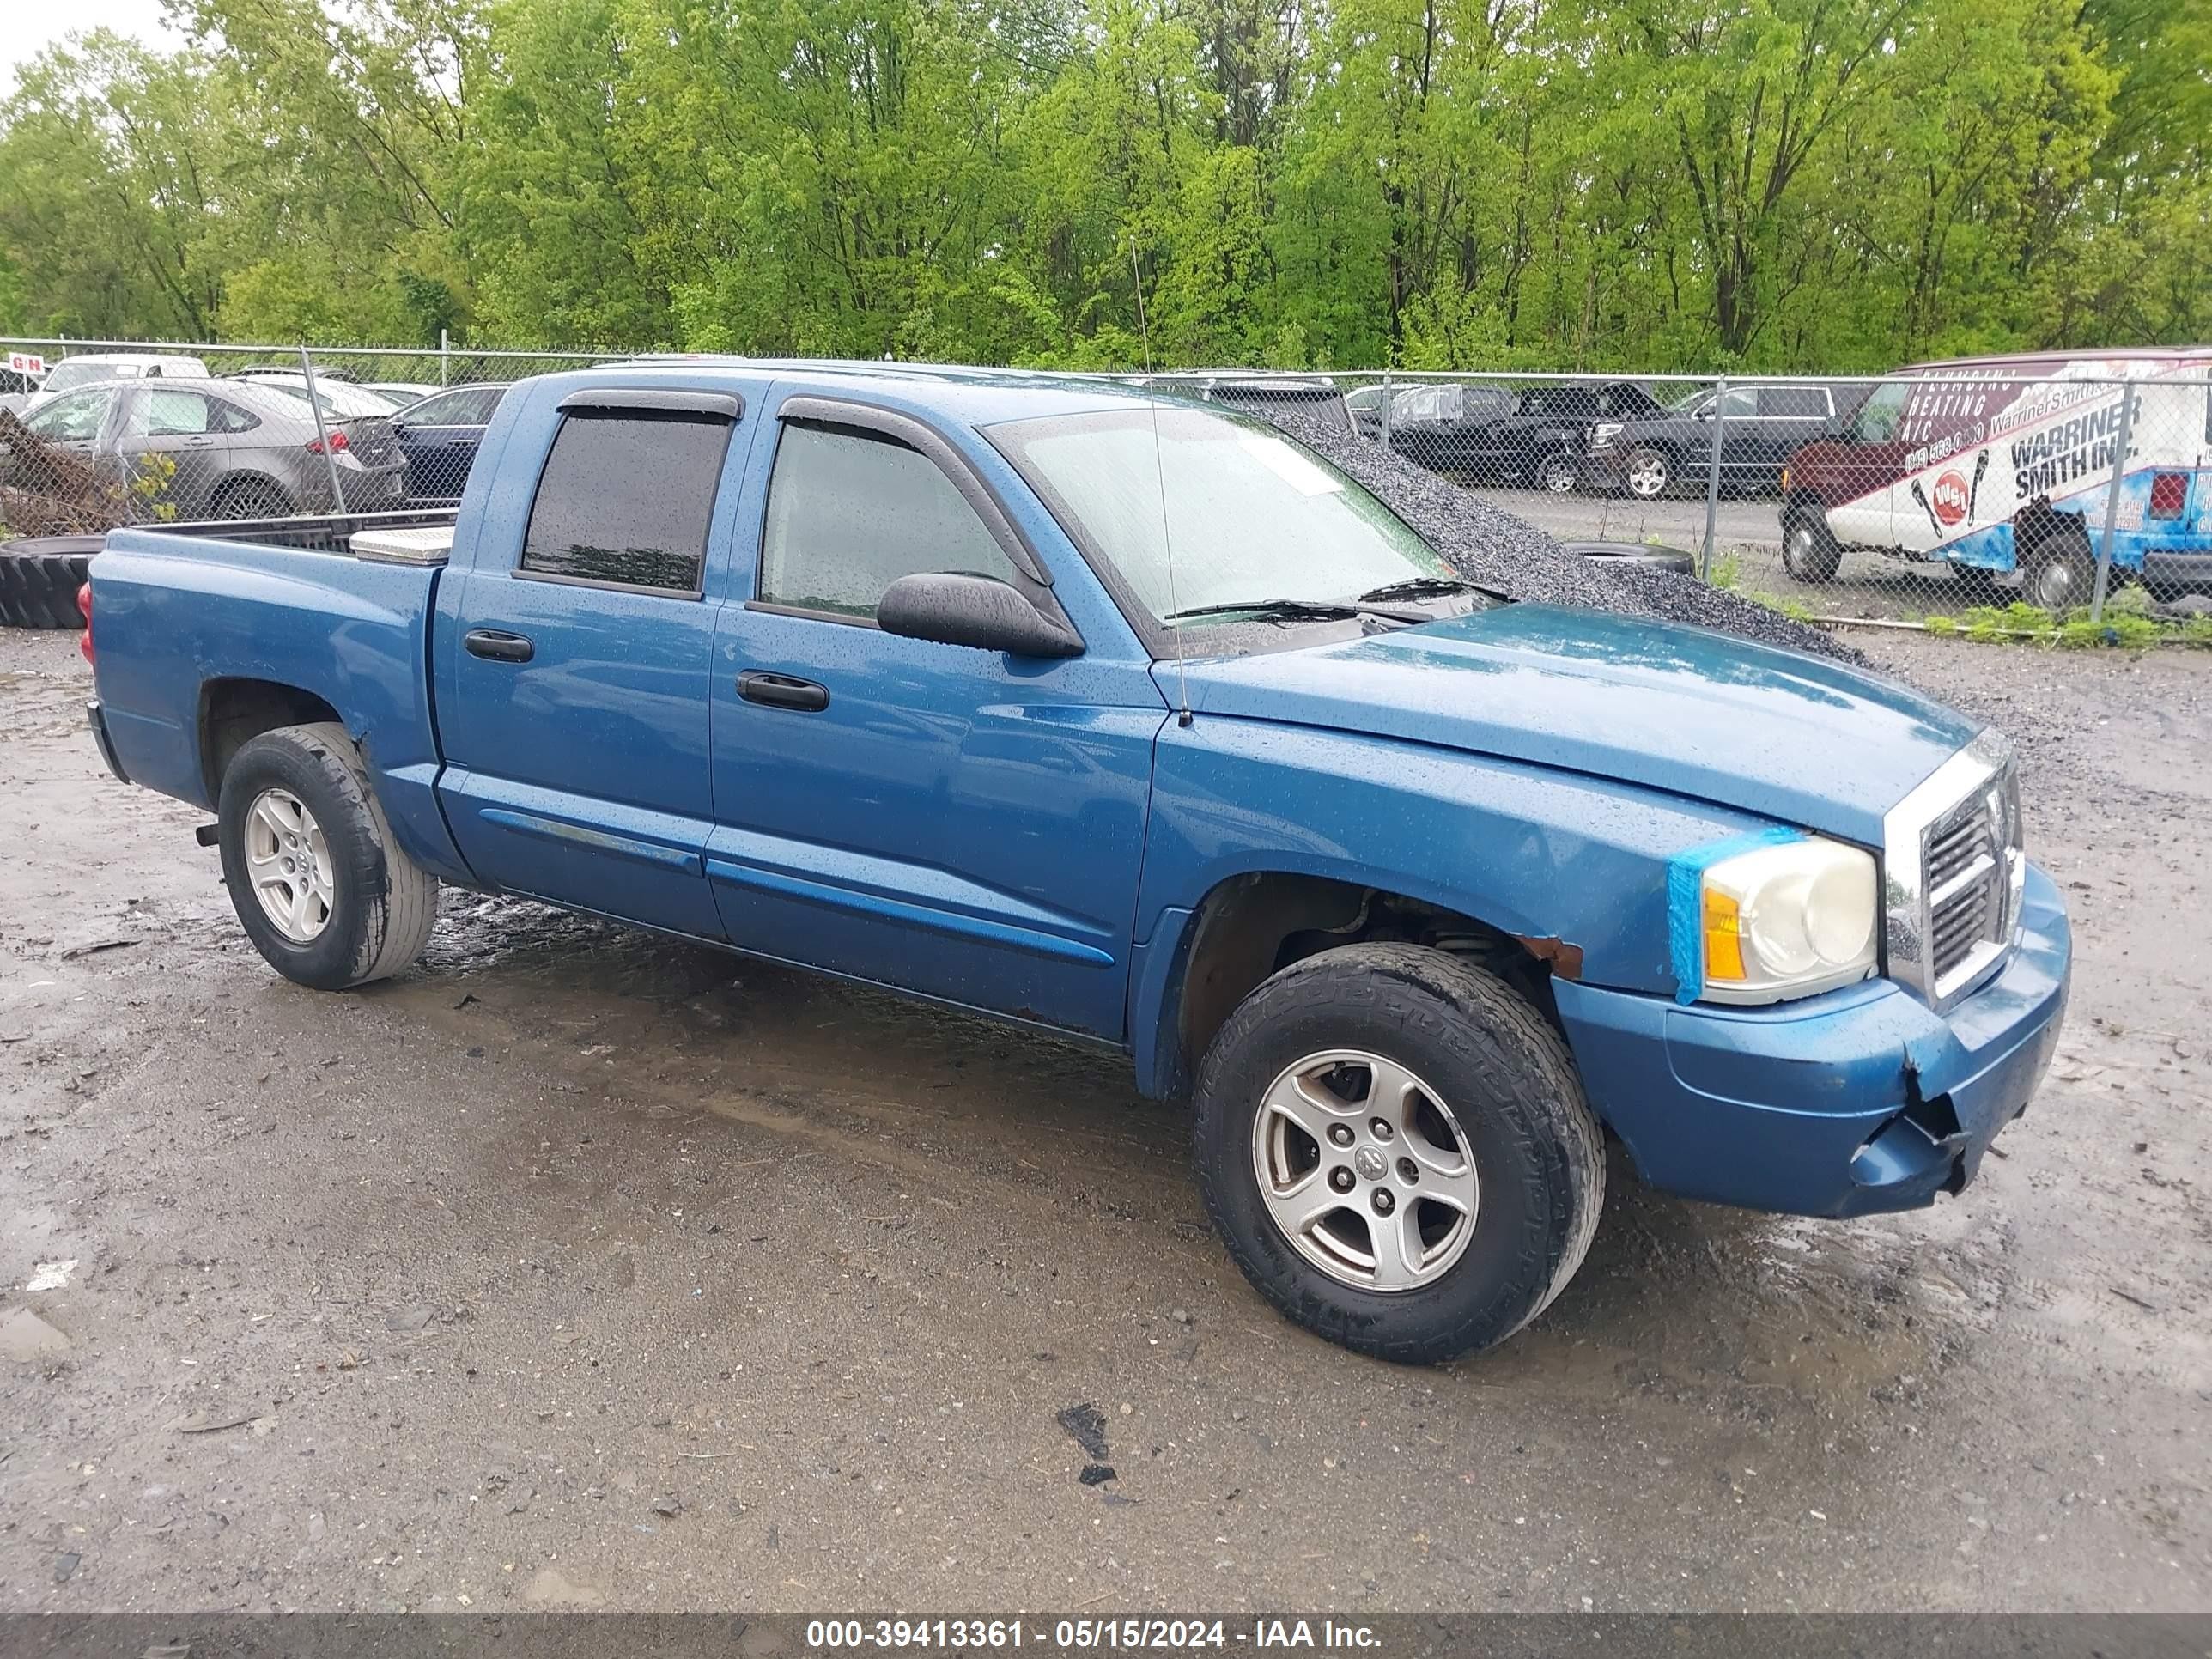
(577, 651)
(170, 435)
(1785, 419)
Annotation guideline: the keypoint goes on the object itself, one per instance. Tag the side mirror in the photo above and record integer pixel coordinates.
(980, 611)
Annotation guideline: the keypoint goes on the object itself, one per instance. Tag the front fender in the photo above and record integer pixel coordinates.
(1542, 854)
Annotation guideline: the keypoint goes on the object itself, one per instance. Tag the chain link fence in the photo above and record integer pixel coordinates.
(94, 435)
(2069, 485)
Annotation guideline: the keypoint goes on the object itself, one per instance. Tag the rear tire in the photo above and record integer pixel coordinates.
(1497, 1092)
(1649, 472)
(1809, 553)
(378, 904)
(2059, 573)
(252, 498)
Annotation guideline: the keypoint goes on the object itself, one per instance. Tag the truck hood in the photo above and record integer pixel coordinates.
(1797, 738)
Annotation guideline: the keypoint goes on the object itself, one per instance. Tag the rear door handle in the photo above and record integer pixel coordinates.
(782, 691)
(494, 645)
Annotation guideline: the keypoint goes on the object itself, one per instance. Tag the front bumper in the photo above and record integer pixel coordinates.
(1859, 1101)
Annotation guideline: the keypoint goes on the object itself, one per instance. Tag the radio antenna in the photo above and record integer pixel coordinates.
(1160, 477)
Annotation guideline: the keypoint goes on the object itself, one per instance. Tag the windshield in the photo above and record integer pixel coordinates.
(1253, 518)
(62, 376)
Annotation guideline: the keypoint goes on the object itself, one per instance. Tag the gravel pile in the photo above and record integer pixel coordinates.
(1509, 555)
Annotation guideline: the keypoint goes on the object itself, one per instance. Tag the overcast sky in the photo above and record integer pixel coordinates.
(28, 26)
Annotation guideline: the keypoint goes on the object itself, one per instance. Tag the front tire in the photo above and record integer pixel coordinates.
(1396, 1149)
(1555, 474)
(320, 885)
(1809, 553)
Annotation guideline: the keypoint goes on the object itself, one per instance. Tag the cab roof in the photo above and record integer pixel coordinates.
(977, 396)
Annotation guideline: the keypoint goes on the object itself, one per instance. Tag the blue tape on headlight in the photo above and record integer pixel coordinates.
(1686, 902)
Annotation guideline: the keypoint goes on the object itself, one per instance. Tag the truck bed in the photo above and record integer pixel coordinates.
(329, 532)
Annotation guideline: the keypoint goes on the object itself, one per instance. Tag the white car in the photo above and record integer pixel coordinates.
(91, 367)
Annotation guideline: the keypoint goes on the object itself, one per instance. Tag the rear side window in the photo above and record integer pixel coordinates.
(848, 515)
(1795, 402)
(626, 500)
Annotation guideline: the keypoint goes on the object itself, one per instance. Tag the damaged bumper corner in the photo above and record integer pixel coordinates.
(1859, 1101)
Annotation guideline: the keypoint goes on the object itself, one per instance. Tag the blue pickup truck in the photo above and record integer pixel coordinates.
(1129, 720)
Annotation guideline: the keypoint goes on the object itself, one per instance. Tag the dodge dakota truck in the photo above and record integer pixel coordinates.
(1129, 720)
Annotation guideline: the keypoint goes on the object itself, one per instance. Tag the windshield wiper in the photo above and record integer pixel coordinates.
(1418, 587)
(1269, 611)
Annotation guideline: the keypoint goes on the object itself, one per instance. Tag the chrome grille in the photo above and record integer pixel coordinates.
(1954, 872)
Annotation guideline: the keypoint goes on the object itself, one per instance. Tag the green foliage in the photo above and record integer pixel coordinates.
(1600, 184)
(2127, 623)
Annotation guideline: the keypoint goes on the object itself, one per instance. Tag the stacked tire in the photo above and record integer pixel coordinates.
(39, 578)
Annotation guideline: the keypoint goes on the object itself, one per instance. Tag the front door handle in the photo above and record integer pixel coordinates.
(782, 691)
(495, 645)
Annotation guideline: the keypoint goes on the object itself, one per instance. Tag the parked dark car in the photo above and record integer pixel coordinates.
(214, 449)
(1761, 427)
(1493, 435)
(438, 437)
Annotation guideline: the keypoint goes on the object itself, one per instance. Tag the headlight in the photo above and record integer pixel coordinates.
(1603, 433)
(1788, 920)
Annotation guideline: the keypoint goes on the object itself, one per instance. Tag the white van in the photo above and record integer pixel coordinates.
(91, 367)
(2006, 464)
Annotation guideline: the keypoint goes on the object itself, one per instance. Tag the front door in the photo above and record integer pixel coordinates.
(960, 823)
(1870, 460)
(575, 710)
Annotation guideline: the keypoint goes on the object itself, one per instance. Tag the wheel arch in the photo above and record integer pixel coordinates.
(1251, 925)
(233, 710)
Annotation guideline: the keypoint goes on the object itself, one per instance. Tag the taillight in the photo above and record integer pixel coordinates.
(337, 442)
(84, 605)
(2169, 492)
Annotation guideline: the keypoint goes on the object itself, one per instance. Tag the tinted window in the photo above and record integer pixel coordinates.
(1797, 402)
(627, 498)
(74, 419)
(849, 514)
(1562, 400)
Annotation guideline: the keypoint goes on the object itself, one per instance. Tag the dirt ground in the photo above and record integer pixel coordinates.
(578, 1269)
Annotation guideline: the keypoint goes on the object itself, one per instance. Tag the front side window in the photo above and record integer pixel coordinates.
(627, 499)
(1248, 516)
(850, 513)
(1882, 413)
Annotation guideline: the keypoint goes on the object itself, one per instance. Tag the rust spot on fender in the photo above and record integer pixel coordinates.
(1564, 958)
